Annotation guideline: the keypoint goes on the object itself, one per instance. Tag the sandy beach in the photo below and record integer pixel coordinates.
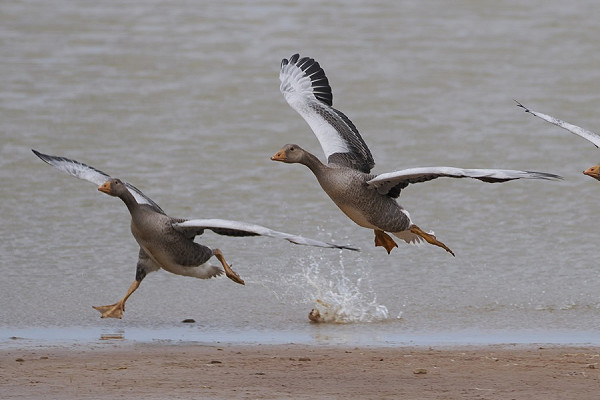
(198, 371)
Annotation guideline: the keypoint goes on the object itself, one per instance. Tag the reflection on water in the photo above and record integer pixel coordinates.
(112, 336)
(182, 100)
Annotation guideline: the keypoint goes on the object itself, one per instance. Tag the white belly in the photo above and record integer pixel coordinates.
(357, 216)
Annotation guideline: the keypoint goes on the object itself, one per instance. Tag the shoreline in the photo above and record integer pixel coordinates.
(321, 335)
(115, 368)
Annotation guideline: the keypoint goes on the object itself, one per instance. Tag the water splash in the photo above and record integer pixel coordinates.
(335, 295)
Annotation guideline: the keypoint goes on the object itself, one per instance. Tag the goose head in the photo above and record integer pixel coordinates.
(594, 172)
(290, 153)
(113, 187)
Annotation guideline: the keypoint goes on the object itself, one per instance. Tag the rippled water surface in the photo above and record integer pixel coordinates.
(182, 99)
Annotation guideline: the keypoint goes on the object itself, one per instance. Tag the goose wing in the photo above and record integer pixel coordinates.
(237, 228)
(392, 183)
(306, 89)
(91, 174)
(589, 135)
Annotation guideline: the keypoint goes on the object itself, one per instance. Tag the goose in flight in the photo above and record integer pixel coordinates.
(166, 242)
(367, 199)
(593, 137)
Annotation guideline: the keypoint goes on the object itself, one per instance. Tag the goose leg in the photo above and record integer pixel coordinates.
(231, 274)
(429, 238)
(116, 310)
(384, 240)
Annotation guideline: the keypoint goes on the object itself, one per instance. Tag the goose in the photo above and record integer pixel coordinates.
(166, 242)
(367, 199)
(593, 137)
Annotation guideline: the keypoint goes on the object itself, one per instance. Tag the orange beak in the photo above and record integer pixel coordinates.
(594, 172)
(279, 156)
(105, 187)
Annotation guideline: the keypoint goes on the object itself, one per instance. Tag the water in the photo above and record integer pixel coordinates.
(182, 99)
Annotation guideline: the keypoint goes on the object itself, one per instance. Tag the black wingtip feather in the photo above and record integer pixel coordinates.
(313, 70)
(546, 175)
(42, 156)
(47, 158)
(522, 106)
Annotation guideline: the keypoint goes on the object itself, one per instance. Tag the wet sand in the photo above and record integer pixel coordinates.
(115, 369)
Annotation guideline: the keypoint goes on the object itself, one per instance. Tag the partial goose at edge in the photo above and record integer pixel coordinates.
(592, 137)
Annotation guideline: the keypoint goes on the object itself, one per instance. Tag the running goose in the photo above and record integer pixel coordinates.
(367, 199)
(593, 137)
(167, 242)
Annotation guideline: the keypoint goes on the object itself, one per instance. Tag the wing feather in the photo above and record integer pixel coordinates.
(584, 133)
(237, 228)
(392, 183)
(91, 174)
(306, 89)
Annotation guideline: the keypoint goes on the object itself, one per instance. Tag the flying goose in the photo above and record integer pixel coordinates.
(167, 242)
(593, 137)
(367, 199)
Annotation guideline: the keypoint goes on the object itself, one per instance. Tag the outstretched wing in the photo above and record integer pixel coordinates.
(237, 228)
(392, 183)
(306, 89)
(589, 135)
(91, 174)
